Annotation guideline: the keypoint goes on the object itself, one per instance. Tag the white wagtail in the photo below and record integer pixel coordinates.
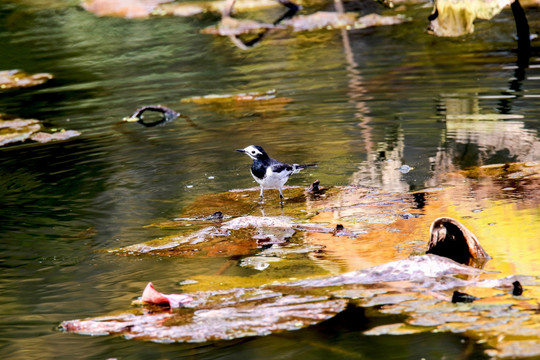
(268, 172)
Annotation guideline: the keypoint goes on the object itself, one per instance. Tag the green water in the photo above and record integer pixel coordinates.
(359, 114)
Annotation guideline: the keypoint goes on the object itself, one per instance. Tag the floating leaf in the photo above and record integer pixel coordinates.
(334, 20)
(516, 348)
(224, 98)
(17, 130)
(320, 20)
(258, 262)
(122, 8)
(416, 268)
(10, 79)
(456, 17)
(394, 329)
(44, 137)
(229, 26)
(212, 317)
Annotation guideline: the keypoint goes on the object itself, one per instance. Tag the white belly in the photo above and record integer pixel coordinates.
(272, 180)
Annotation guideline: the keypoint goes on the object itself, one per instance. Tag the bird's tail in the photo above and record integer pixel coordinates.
(298, 167)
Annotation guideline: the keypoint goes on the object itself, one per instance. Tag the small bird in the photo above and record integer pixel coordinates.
(268, 172)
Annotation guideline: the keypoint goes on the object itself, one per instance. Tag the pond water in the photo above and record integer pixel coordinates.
(360, 103)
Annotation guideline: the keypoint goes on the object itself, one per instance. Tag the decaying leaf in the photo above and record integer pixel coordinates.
(122, 8)
(217, 7)
(10, 79)
(456, 17)
(44, 137)
(146, 8)
(415, 268)
(216, 315)
(152, 296)
(318, 20)
(18, 130)
(249, 102)
(380, 276)
(225, 98)
(394, 329)
(451, 239)
(229, 26)
(334, 20)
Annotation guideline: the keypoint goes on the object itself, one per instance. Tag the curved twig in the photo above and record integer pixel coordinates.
(168, 115)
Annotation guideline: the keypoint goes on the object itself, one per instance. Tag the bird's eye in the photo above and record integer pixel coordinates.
(253, 152)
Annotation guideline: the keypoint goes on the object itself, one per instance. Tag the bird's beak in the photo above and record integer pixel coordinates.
(241, 150)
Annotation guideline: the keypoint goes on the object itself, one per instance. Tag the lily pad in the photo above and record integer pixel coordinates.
(10, 79)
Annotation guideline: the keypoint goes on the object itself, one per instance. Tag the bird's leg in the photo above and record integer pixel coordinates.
(262, 193)
(281, 196)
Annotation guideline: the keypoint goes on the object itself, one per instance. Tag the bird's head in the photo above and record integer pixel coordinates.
(254, 151)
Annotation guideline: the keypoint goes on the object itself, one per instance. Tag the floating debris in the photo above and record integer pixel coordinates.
(11, 79)
(17, 130)
(216, 216)
(216, 98)
(340, 230)
(14, 130)
(404, 169)
(456, 17)
(394, 329)
(152, 296)
(258, 262)
(215, 315)
(460, 297)
(146, 8)
(517, 289)
(451, 239)
(316, 21)
(167, 115)
(334, 20)
(43, 137)
(122, 8)
(229, 26)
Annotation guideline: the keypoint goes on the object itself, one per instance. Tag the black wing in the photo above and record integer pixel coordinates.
(279, 167)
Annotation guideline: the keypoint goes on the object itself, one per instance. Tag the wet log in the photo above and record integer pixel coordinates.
(451, 239)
